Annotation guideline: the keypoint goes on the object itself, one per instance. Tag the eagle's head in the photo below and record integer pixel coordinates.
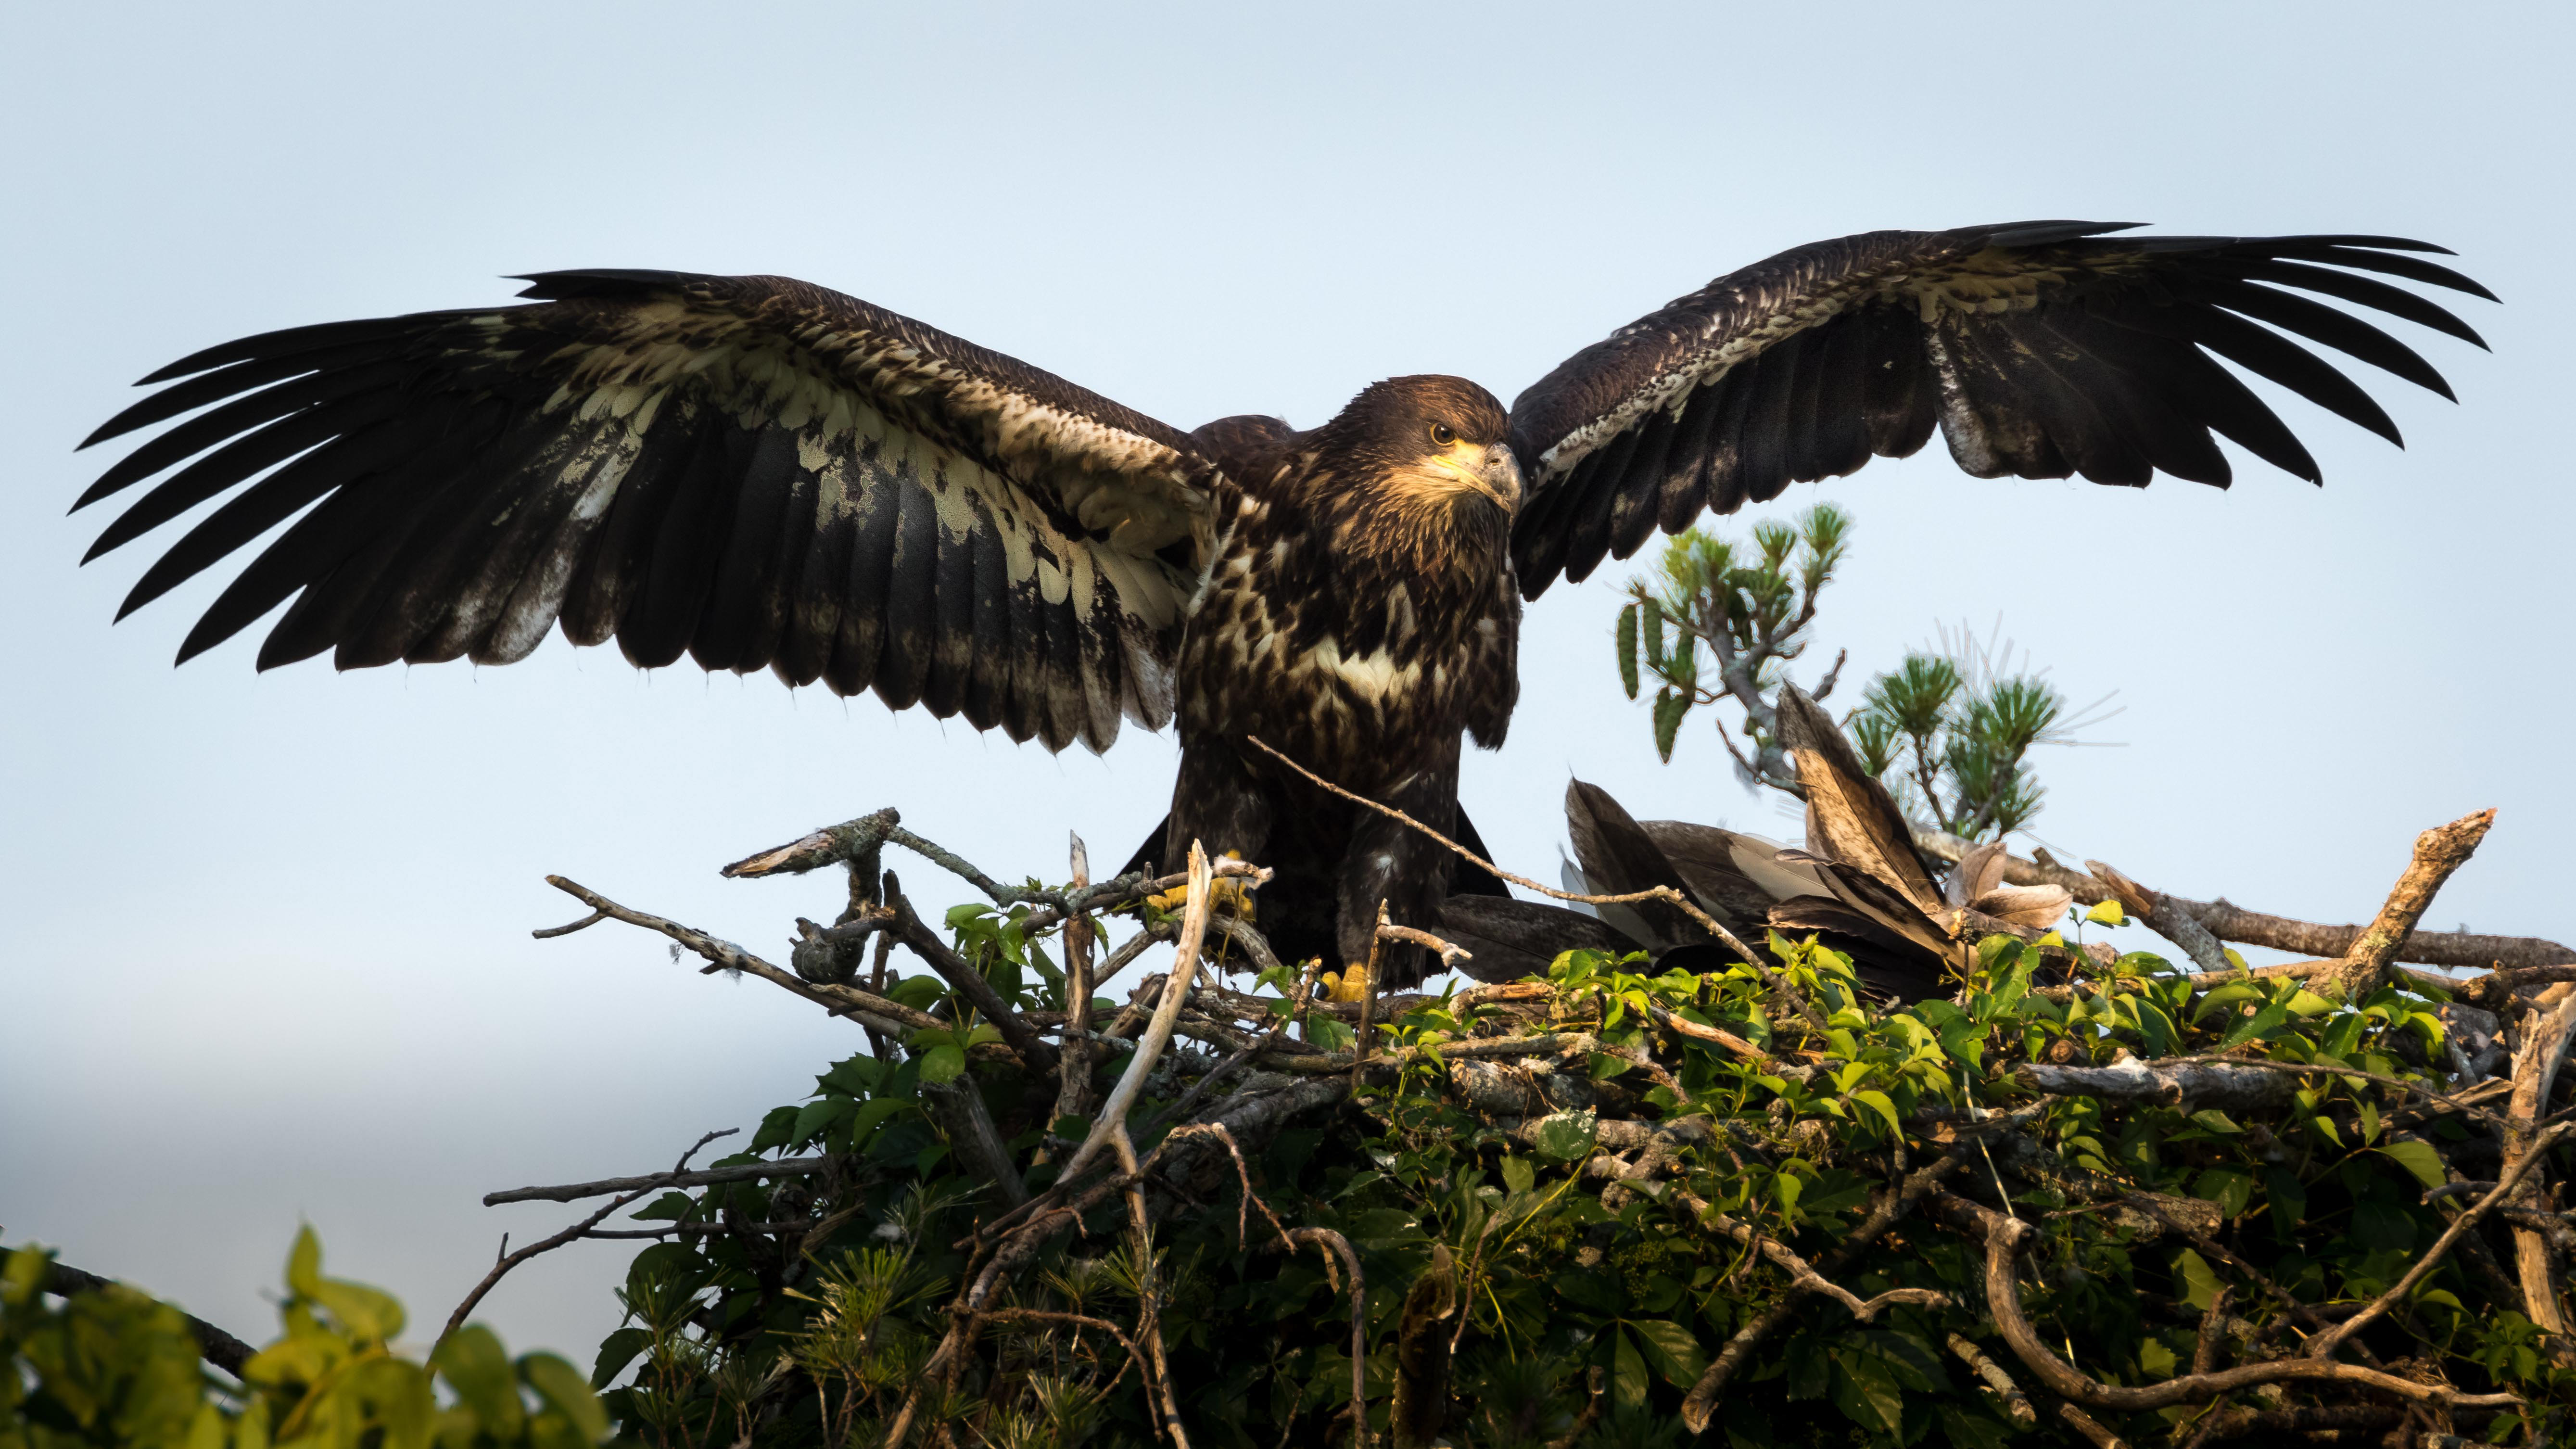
(1428, 443)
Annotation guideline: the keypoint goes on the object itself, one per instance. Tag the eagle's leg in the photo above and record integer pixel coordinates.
(1217, 803)
(1392, 862)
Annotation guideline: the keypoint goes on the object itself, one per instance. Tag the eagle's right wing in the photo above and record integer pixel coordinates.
(2038, 349)
(751, 470)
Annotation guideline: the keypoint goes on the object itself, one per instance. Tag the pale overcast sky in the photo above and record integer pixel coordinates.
(269, 952)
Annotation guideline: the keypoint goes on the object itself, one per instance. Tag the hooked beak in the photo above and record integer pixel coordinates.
(1496, 474)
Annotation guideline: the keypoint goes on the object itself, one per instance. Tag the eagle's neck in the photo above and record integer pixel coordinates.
(1349, 630)
(1402, 568)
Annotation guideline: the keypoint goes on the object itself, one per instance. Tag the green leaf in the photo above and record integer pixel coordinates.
(617, 1351)
(1669, 709)
(1566, 1135)
(1628, 1371)
(855, 1076)
(872, 1114)
(918, 992)
(1606, 1066)
(1879, 1103)
(2108, 913)
(2288, 1197)
(2199, 1283)
(2418, 1158)
(478, 1369)
(774, 1129)
(398, 1392)
(2382, 1227)
(1964, 1427)
(670, 1207)
(2268, 1019)
(1650, 631)
(566, 1391)
(1868, 1393)
(304, 1263)
(818, 1116)
(2232, 1191)
(942, 1064)
(1671, 1348)
(1628, 650)
(369, 1315)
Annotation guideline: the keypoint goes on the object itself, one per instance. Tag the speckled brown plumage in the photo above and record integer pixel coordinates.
(761, 473)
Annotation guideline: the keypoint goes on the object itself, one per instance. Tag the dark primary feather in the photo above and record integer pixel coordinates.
(751, 471)
(2040, 349)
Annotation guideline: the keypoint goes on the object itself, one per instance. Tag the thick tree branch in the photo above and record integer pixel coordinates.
(2458, 949)
(2438, 852)
(213, 1344)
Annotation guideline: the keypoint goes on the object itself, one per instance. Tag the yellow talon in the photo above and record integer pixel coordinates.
(1227, 894)
(1348, 984)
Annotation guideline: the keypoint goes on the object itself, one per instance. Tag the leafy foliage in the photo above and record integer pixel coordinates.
(1747, 607)
(1949, 729)
(1575, 1268)
(116, 1367)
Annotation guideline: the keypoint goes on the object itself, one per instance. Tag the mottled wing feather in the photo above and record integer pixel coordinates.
(749, 470)
(2039, 349)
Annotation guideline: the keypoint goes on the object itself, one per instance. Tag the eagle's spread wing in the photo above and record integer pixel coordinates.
(751, 470)
(2040, 349)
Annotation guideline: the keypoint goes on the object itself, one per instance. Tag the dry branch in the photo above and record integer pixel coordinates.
(507, 1260)
(2226, 1086)
(2438, 852)
(2228, 922)
(213, 1344)
(2004, 1239)
(703, 1177)
(2547, 1034)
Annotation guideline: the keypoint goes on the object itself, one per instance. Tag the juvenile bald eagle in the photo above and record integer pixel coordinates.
(760, 473)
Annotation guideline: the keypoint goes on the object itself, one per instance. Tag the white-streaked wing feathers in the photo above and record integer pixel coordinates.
(753, 471)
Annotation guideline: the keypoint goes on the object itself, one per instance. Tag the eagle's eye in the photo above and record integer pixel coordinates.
(1441, 436)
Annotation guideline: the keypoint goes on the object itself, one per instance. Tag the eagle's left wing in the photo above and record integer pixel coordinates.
(753, 471)
(2039, 349)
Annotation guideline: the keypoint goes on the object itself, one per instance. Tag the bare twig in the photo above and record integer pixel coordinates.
(1328, 1242)
(1450, 955)
(2016, 1403)
(1699, 1406)
(2004, 1238)
(2174, 924)
(1364, 1039)
(891, 1017)
(704, 1177)
(2324, 1344)
(2091, 1428)
(1158, 1030)
(509, 1260)
(966, 981)
(1001, 1317)
(1073, 1092)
